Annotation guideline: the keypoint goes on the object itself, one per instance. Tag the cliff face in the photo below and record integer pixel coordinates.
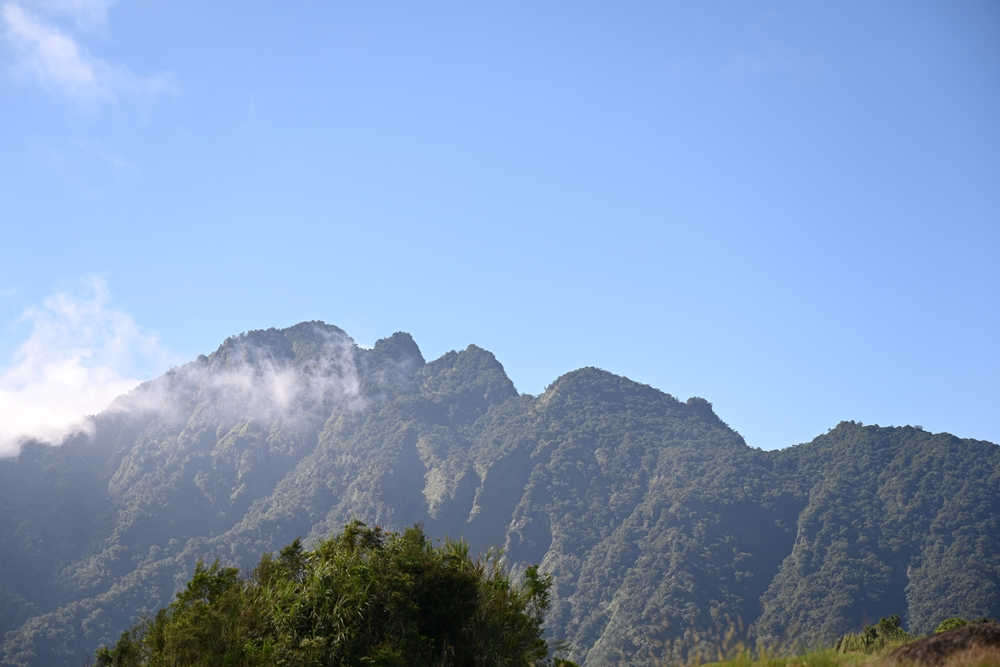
(652, 514)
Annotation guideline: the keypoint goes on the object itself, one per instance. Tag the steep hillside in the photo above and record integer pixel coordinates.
(652, 514)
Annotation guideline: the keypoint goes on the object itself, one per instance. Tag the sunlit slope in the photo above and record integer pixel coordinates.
(653, 515)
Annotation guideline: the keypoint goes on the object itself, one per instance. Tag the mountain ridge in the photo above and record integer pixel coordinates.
(652, 514)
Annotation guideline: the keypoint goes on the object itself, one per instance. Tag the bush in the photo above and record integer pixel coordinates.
(362, 597)
(950, 624)
(876, 639)
(959, 622)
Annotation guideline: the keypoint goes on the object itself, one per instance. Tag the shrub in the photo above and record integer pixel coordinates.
(876, 639)
(950, 624)
(362, 597)
(958, 622)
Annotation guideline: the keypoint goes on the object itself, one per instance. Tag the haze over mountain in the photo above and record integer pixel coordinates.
(653, 515)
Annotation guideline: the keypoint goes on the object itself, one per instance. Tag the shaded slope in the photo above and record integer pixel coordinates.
(897, 518)
(652, 514)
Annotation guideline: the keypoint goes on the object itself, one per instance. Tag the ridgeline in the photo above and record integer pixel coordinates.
(651, 515)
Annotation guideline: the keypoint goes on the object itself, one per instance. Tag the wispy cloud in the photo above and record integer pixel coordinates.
(80, 355)
(54, 57)
(84, 14)
(251, 376)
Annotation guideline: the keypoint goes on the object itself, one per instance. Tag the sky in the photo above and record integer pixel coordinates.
(790, 209)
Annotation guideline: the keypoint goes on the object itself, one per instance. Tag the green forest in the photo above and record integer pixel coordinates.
(649, 516)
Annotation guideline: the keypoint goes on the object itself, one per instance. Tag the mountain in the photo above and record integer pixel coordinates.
(652, 514)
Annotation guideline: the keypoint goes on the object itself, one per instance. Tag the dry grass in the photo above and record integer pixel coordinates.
(974, 644)
(824, 658)
(733, 649)
(978, 657)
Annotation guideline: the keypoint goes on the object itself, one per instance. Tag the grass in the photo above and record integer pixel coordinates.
(977, 657)
(821, 658)
(733, 648)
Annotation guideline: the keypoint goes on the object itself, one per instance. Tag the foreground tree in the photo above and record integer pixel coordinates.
(363, 597)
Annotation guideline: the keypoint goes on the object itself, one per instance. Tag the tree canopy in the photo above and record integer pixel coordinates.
(362, 597)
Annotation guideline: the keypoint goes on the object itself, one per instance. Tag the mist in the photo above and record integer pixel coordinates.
(252, 375)
(82, 356)
(79, 354)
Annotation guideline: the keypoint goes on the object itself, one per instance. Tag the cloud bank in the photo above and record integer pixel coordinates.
(54, 58)
(80, 355)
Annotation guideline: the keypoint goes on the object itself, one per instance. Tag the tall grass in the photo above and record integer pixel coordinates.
(735, 650)
(735, 646)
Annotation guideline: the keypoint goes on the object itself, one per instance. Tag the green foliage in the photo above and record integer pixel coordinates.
(950, 624)
(959, 622)
(877, 639)
(896, 519)
(361, 597)
(651, 515)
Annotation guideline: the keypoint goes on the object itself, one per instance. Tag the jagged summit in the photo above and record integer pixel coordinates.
(649, 512)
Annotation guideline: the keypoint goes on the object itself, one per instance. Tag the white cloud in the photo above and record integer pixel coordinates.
(57, 61)
(81, 354)
(85, 14)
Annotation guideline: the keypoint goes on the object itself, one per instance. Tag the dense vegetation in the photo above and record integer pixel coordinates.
(652, 515)
(362, 597)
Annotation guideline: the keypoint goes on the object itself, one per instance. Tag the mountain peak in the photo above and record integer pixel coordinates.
(649, 513)
(400, 348)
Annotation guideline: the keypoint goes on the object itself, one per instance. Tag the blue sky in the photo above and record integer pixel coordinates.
(790, 209)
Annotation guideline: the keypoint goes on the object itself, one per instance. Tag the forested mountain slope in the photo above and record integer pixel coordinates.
(652, 514)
